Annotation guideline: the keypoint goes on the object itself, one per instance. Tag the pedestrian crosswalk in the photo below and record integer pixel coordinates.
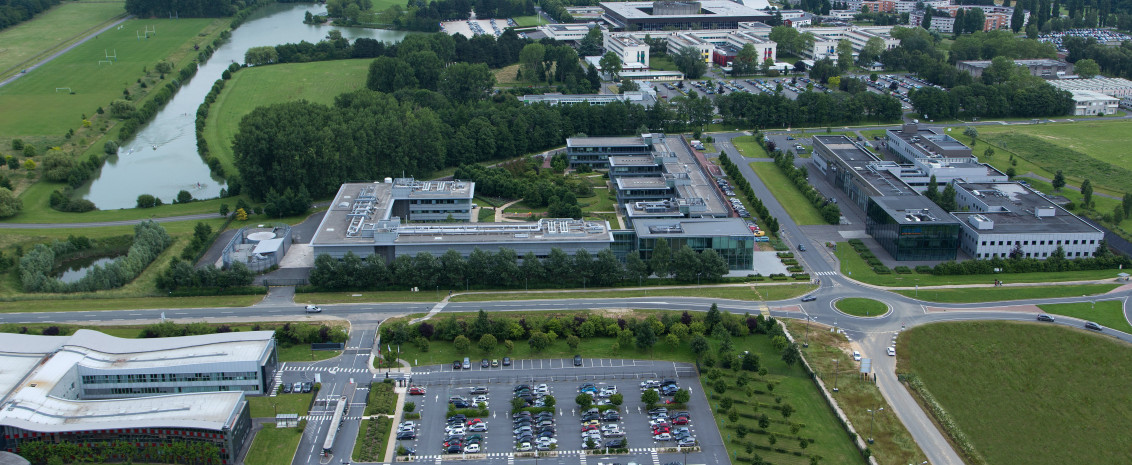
(328, 369)
(278, 379)
(826, 273)
(510, 456)
(325, 417)
(655, 458)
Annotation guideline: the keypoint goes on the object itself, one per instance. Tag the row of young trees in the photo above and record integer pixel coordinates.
(36, 266)
(830, 212)
(505, 269)
(43, 452)
(1102, 259)
(770, 223)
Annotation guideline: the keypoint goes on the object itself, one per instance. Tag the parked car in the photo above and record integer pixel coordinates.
(467, 363)
(506, 361)
(485, 363)
(416, 391)
(856, 356)
(456, 365)
(286, 388)
(308, 387)
(577, 360)
(891, 351)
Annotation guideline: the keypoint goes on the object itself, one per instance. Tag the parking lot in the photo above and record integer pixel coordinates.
(563, 380)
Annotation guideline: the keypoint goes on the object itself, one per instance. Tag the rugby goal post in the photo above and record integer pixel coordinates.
(68, 89)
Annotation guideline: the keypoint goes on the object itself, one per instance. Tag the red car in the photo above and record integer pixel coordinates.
(588, 427)
(416, 391)
(660, 429)
(680, 421)
(474, 421)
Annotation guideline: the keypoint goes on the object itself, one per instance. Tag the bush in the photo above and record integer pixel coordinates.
(881, 269)
(150, 239)
(924, 269)
(902, 270)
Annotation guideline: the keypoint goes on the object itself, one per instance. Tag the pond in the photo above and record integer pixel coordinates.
(162, 158)
(73, 270)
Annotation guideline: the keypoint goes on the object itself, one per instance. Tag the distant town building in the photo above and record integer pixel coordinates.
(1115, 87)
(675, 14)
(1089, 103)
(1044, 68)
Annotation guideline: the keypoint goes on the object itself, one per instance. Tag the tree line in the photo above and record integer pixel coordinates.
(761, 110)
(770, 223)
(186, 8)
(13, 12)
(504, 269)
(44, 452)
(36, 266)
(1116, 61)
(1102, 259)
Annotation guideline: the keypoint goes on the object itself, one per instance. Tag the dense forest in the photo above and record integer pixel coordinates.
(13, 12)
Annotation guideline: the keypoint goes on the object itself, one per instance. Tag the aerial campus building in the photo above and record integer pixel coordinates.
(678, 14)
(660, 183)
(90, 387)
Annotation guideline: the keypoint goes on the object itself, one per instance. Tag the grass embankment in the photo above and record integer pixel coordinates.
(267, 407)
(855, 267)
(752, 292)
(1011, 387)
(811, 419)
(998, 294)
(893, 443)
(273, 446)
(1095, 149)
(527, 21)
(52, 30)
(266, 85)
(373, 436)
(860, 306)
(1107, 313)
(788, 195)
(363, 297)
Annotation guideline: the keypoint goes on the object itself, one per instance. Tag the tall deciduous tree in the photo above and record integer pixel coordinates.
(661, 259)
(690, 62)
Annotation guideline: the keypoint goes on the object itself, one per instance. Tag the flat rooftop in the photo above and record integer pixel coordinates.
(359, 206)
(920, 135)
(641, 182)
(631, 160)
(631, 141)
(708, 8)
(866, 165)
(547, 229)
(691, 227)
(913, 209)
(1014, 209)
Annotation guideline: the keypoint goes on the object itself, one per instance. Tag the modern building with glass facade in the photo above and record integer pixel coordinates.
(595, 151)
(729, 237)
(90, 387)
(911, 227)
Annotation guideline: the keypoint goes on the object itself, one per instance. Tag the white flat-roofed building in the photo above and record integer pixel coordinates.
(669, 15)
(827, 38)
(1088, 103)
(91, 387)
(567, 31)
(629, 48)
(646, 97)
(1115, 87)
(999, 218)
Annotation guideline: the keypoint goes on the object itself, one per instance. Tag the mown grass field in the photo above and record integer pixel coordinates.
(52, 29)
(998, 294)
(855, 267)
(1107, 313)
(266, 407)
(526, 21)
(790, 384)
(1057, 146)
(800, 209)
(893, 443)
(747, 147)
(1027, 393)
(265, 85)
(273, 446)
(860, 306)
(32, 105)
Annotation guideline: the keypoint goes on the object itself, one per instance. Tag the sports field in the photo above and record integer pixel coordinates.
(36, 106)
(1104, 144)
(1027, 393)
(51, 30)
(254, 87)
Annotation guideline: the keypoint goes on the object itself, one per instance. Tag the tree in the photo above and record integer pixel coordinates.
(844, 55)
(661, 258)
(1016, 19)
(686, 264)
(1126, 202)
(1087, 68)
(10, 205)
(1087, 193)
(462, 343)
(591, 44)
(650, 397)
(712, 318)
(988, 153)
(539, 341)
(224, 209)
(584, 400)
(147, 201)
(573, 341)
(746, 61)
(241, 214)
(926, 22)
(699, 344)
(932, 193)
(611, 65)
(645, 336)
(635, 268)
(255, 56)
(390, 74)
(822, 70)
(690, 61)
(617, 399)
(871, 53)
(1058, 181)
(487, 343)
(529, 58)
(184, 197)
(947, 199)
(971, 132)
(466, 82)
(682, 396)
(791, 354)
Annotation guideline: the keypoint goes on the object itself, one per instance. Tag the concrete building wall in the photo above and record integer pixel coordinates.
(985, 245)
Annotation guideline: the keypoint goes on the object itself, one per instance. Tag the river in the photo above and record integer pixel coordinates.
(162, 158)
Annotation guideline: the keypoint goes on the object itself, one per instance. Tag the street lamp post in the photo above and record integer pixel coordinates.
(836, 367)
(872, 421)
(807, 343)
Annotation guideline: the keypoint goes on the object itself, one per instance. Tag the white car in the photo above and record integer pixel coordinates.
(662, 437)
(524, 447)
(616, 433)
(547, 441)
(455, 431)
(891, 351)
(856, 356)
(479, 399)
(478, 428)
(471, 448)
(313, 309)
(408, 424)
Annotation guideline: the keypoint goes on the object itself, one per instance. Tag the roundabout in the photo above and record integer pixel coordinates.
(861, 307)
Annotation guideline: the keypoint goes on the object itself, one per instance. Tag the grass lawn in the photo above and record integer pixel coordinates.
(1057, 146)
(662, 63)
(265, 85)
(366, 296)
(602, 201)
(51, 30)
(526, 21)
(855, 267)
(303, 353)
(1107, 313)
(860, 306)
(34, 108)
(801, 210)
(82, 302)
(747, 147)
(273, 446)
(753, 292)
(265, 407)
(37, 209)
(1011, 387)
(997, 294)
(893, 444)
